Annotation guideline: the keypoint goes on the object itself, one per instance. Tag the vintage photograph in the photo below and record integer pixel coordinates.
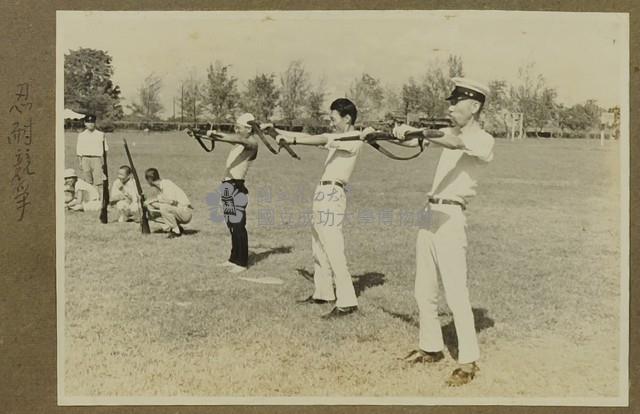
(342, 207)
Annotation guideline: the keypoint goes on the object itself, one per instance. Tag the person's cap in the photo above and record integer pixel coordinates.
(69, 173)
(90, 119)
(244, 119)
(466, 88)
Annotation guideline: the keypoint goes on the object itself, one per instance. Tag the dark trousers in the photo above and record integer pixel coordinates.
(238, 229)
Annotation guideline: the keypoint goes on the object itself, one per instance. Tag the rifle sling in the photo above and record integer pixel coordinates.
(393, 156)
(202, 144)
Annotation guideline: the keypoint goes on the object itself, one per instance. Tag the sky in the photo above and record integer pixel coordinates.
(582, 55)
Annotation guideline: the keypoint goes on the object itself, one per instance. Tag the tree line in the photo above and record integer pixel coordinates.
(291, 96)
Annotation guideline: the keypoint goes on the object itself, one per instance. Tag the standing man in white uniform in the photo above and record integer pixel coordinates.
(90, 151)
(442, 242)
(329, 207)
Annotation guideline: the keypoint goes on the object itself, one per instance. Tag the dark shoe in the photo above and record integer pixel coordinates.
(462, 376)
(338, 312)
(311, 301)
(173, 235)
(419, 356)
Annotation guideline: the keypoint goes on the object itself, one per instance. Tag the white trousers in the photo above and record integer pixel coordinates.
(441, 249)
(330, 262)
(127, 208)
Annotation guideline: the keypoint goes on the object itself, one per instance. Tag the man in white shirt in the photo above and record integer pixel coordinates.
(234, 193)
(329, 207)
(90, 150)
(83, 197)
(442, 241)
(171, 207)
(124, 195)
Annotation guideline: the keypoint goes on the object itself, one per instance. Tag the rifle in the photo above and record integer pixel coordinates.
(144, 217)
(104, 215)
(427, 134)
(271, 131)
(199, 136)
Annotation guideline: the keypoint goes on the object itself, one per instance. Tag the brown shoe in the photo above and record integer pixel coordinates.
(461, 376)
(419, 356)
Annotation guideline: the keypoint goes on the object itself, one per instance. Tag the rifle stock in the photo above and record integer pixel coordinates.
(144, 217)
(104, 214)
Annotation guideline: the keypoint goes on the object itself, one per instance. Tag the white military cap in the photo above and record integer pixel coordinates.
(468, 89)
(244, 119)
(69, 172)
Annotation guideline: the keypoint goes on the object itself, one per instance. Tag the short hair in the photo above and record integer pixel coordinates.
(345, 107)
(126, 169)
(152, 175)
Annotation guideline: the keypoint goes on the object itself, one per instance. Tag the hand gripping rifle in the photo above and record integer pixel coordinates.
(271, 131)
(144, 218)
(104, 215)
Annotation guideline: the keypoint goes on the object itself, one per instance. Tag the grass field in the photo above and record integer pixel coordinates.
(147, 316)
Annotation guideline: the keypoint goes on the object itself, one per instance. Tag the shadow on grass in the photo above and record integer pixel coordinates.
(305, 273)
(480, 317)
(366, 280)
(258, 257)
(360, 282)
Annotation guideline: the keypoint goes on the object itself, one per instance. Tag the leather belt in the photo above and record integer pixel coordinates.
(338, 183)
(433, 200)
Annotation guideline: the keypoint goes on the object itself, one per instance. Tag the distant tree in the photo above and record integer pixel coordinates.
(454, 64)
(220, 93)
(316, 100)
(392, 103)
(581, 117)
(533, 98)
(148, 105)
(411, 97)
(261, 96)
(367, 93)
(294, 91)
(88, 87)
(496, 108)
(191, 103)
(437, 85)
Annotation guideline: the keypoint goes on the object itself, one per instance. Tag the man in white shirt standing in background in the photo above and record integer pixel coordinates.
(90, 150)
(442, 241)
(171, 207)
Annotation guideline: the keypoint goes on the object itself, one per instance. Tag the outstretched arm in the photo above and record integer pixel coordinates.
(232, 139)
(300, 138)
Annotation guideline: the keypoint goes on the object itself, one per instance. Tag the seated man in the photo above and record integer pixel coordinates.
(171, 207)
(79, 194)
(124, 195)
